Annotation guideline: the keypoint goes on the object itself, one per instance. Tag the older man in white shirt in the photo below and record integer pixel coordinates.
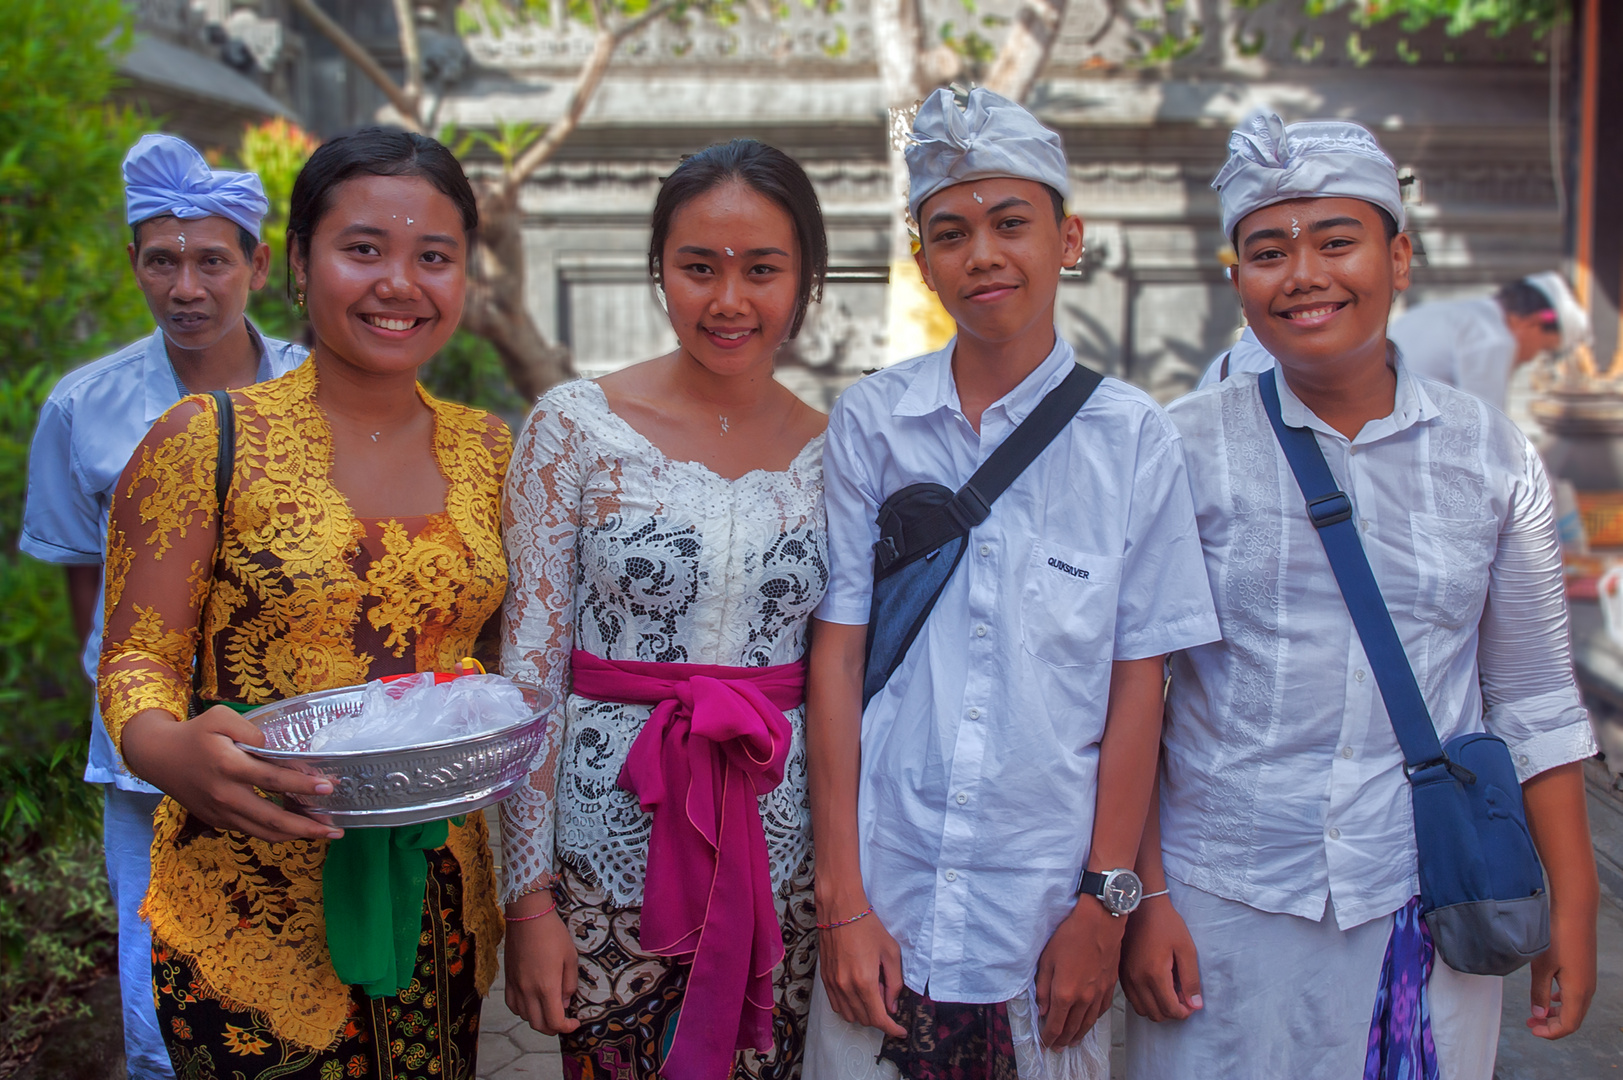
(196, 253)
(1286, 831)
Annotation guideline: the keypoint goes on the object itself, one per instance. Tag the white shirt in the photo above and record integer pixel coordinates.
(1464, 343)
(980, 757)
(1283, 782)
(1246, 355)
(88, 428)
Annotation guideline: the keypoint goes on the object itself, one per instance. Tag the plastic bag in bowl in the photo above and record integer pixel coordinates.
(417, 709)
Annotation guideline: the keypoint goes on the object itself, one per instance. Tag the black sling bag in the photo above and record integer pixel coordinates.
(924, 529)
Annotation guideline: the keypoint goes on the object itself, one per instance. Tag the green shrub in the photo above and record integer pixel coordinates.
(69, 298)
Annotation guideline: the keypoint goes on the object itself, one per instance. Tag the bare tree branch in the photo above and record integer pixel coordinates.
(586, 84)
(411, 52)
(1026, 49)
(357, 55)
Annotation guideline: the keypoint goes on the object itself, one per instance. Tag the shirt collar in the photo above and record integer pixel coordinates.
(933, 388)
(1410, 405)
(161, 387)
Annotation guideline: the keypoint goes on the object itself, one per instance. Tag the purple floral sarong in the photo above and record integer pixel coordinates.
(1400, 1043)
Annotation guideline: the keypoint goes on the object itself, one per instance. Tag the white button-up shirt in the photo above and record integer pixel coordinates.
(1283, 781)
(980, 757)
(1464, 343)
(90, 425)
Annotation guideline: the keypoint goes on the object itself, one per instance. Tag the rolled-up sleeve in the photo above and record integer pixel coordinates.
(1529, 692)
(852, 509)
(61, 520)
(1165, 601)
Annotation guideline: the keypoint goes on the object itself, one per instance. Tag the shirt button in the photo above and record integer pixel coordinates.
(1524, 759)
(986, 549)
(1363, 526)
(1335, 833)
(980, 631)
(1359, 674)
(951, 875)
(1346, 751)
(974, 714)
(962, 798)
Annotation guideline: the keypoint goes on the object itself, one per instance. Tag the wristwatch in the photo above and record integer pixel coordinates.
(1118, 890)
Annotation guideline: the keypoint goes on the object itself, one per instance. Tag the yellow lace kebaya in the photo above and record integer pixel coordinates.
(303, 596)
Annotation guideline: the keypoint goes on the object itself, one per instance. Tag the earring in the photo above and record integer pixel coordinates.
(298, 300)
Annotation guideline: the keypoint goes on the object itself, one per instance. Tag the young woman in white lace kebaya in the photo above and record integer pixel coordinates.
(665, 537)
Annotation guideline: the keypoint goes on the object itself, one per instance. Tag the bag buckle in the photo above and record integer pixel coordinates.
(968, 508)
(1331, 509)
(1455, 769)
(885, 553)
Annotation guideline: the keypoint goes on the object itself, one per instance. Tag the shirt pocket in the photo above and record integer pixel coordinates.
(1454, 557)
(1068, 605)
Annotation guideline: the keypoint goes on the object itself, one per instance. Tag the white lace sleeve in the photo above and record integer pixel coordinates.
(541, 527)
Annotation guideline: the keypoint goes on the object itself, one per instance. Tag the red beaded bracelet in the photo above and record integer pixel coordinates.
(846, 922)
(537, 915)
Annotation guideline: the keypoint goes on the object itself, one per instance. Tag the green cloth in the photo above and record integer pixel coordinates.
(373, 888)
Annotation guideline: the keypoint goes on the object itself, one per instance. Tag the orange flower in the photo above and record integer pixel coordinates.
(241, 1041)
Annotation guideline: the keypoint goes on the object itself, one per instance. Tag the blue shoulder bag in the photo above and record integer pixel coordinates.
(1481, 885)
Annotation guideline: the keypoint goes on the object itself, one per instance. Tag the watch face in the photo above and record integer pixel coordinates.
(1122, 891)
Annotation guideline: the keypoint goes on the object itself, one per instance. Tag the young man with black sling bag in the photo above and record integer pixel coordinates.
(1012, 553)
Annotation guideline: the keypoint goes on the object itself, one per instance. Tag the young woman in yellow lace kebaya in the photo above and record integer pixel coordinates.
(359, 538)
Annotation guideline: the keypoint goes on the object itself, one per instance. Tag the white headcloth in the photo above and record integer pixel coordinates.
(1271, 163)
(1572, 319)
(990, 137)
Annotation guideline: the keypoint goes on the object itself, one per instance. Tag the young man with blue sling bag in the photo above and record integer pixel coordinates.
(1340, 820)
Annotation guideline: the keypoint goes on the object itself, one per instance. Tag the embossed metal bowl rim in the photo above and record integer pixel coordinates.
(540, 699)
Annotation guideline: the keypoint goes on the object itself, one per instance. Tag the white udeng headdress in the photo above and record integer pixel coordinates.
(1316, 159)
(989, 137)
(1569, 315)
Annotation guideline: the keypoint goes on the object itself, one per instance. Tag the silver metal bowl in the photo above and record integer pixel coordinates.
(405, 786)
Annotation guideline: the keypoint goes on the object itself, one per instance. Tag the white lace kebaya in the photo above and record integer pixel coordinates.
(618, 550)
(1283, 783)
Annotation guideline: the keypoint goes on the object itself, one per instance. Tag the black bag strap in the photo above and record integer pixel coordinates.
(971, 504)
(1332, 515)
(225, 459)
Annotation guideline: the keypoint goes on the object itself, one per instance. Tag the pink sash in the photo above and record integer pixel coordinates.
(716, 742)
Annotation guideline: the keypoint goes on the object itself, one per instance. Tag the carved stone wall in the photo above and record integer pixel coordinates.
(1469, 115)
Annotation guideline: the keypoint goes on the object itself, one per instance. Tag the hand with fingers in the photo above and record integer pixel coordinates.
(1076, 973)
(198, 763)
(1563, 976)
(1160, 972)
(542, 965)
(862, 972)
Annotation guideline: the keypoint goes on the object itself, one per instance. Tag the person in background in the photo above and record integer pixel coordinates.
(1290, 942)
(975, 822)
(664, 531)
(358, 537)
(196, 253)
(1476, 344)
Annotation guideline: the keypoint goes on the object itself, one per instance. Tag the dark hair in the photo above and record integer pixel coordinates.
(245, 239)
(373, 151)
(1524, 298)
(768, 172)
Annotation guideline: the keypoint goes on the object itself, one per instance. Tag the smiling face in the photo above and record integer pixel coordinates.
(385, 274)
(730, 271)
(993, 252)
(1316, 279)
(195, 277)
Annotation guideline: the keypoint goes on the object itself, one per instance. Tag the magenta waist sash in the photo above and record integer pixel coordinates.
(717, 740)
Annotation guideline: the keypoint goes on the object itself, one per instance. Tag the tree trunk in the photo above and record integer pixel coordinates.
(1026, 49)
(495, 307)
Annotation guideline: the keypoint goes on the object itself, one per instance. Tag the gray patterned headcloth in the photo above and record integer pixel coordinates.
(1316, 159)
(990, 137)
